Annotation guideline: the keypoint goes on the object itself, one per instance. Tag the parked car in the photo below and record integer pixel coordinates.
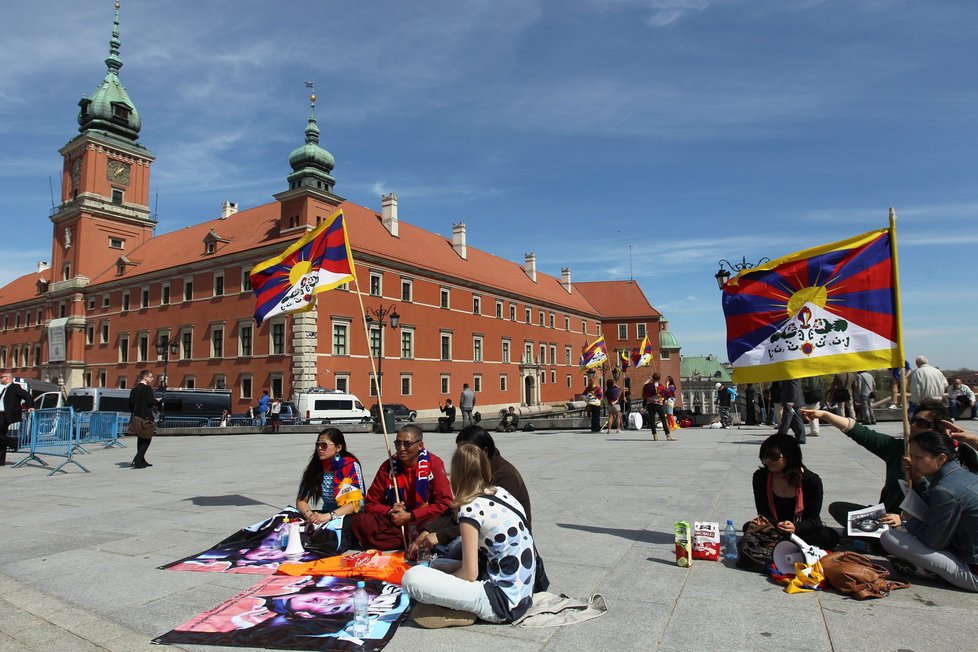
(290, 414)
(401, 412)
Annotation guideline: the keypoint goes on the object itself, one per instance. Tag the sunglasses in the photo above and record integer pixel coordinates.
(772, 457)
(921, 422)
(405, 444)
(323, 445)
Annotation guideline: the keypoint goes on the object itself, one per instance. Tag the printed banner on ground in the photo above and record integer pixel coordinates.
(296, 613)
(257, 550)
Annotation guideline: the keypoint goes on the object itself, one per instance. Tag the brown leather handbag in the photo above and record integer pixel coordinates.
(142, 428)
(856, 575)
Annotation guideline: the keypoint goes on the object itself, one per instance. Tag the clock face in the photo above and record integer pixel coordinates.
(118, 172)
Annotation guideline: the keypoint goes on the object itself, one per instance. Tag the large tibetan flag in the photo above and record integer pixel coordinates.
(824, 310)
(594, 354)
(319, 261)
(643, 353)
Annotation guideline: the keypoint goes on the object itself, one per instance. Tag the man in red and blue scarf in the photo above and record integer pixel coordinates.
(422, 493)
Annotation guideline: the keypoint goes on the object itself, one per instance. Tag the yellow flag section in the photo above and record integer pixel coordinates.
(824, 310)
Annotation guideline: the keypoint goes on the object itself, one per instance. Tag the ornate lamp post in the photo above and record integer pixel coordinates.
(727, 269)
(380, 316)
(164, 349)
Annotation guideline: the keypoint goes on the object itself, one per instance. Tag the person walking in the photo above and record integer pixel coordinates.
(791, 397)
(466, 403)
(12, 396)
(142, 421)
(263, 406)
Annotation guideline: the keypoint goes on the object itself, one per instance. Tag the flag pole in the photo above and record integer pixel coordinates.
(897, 314)
(380, 398)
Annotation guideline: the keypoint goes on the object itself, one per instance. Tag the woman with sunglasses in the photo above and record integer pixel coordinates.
(494, 530)
(944, 541)
(790, 495)
(332, 476)
(929, 416)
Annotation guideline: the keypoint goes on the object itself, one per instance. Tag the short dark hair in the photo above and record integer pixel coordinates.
(414, 429)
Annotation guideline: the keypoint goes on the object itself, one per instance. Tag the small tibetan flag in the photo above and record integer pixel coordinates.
(594, 354)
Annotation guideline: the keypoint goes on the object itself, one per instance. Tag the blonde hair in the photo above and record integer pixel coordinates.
(471, 474)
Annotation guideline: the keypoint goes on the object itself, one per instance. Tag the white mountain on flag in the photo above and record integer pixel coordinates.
(814, 332)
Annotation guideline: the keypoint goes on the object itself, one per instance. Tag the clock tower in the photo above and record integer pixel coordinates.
(104, 209)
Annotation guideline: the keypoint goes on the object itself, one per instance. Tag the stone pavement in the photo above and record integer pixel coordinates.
(79, 553)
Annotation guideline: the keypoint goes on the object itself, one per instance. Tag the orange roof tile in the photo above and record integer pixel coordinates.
(23, 288)
(617, 299)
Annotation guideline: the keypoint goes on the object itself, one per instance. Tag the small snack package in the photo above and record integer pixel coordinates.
(684, 545)
(706, 540)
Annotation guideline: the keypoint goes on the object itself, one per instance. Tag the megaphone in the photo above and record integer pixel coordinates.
(294, 549)
(788, 553)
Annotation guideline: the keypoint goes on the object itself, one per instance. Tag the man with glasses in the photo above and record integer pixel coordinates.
(929, 416)
(11, 397)
(416, 492)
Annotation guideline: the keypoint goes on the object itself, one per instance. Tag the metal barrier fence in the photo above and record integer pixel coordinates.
(52, 433)
(97, 427)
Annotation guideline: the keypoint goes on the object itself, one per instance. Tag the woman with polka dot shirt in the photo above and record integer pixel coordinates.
(492, 524)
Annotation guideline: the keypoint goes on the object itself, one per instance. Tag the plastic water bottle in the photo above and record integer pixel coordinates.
(729, 541)
(361, 615)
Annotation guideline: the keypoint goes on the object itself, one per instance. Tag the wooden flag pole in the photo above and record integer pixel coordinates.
(380, 398)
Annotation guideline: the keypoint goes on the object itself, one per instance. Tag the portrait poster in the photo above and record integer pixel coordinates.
(258, 549)
(297, 613)
(866, 522)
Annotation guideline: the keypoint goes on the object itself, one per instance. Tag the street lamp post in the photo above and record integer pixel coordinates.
(164, 349)
(724, 273)
(380, 316)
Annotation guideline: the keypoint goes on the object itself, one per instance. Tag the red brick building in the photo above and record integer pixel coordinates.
(114, 288)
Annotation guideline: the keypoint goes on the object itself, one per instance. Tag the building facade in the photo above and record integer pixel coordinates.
(113, 289)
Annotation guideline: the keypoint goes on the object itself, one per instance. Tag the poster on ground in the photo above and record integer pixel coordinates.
(296, 613)
(258, 549)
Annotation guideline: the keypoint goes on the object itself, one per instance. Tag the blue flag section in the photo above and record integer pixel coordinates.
(829, 309)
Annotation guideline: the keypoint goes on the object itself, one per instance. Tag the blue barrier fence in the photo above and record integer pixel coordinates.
(52, 433)
(98, 427)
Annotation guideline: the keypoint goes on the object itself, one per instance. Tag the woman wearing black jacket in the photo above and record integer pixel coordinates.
(142, 421)
(789, 494)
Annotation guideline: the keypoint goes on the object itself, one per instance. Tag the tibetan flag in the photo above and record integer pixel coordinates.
(644, 354)
(319, 261)
(594, 354)
(623, 360)
(825, 310)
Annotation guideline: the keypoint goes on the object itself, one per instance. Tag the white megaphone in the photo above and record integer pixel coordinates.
(294, 549)
(796, 551)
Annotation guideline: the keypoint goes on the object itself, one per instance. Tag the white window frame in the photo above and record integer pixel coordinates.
(379, 278)
(217, 285)
(623, 331)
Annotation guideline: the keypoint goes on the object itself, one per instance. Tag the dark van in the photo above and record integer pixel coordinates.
(195, 402)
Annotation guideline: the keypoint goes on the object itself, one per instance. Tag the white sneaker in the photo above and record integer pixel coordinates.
(893, 407)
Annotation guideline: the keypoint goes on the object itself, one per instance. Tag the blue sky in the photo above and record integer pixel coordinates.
(692, 130)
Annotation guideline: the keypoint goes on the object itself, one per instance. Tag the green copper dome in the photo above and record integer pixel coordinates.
(311, 158)
(109, 109)
(667, 341)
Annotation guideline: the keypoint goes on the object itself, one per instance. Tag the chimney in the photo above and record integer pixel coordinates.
(531, 266)
(388, 212)
(42, 265)
(228, 208)
(458, 239)
(565, 279)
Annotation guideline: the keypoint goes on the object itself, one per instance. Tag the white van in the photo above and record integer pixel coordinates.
(330, 406)
(99, 399)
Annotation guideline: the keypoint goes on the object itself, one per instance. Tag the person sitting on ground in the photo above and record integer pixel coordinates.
(960, 398)
(789, 494)
(889, 449)
(417, 492)
(333, 476)
(445, 422)
(493, 528)
(443, 530)
(945, 541)
(509, 423)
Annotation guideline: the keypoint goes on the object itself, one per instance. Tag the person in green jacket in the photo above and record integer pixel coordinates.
(890, 449)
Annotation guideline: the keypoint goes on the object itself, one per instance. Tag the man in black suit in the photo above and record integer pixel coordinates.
(11, 396)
